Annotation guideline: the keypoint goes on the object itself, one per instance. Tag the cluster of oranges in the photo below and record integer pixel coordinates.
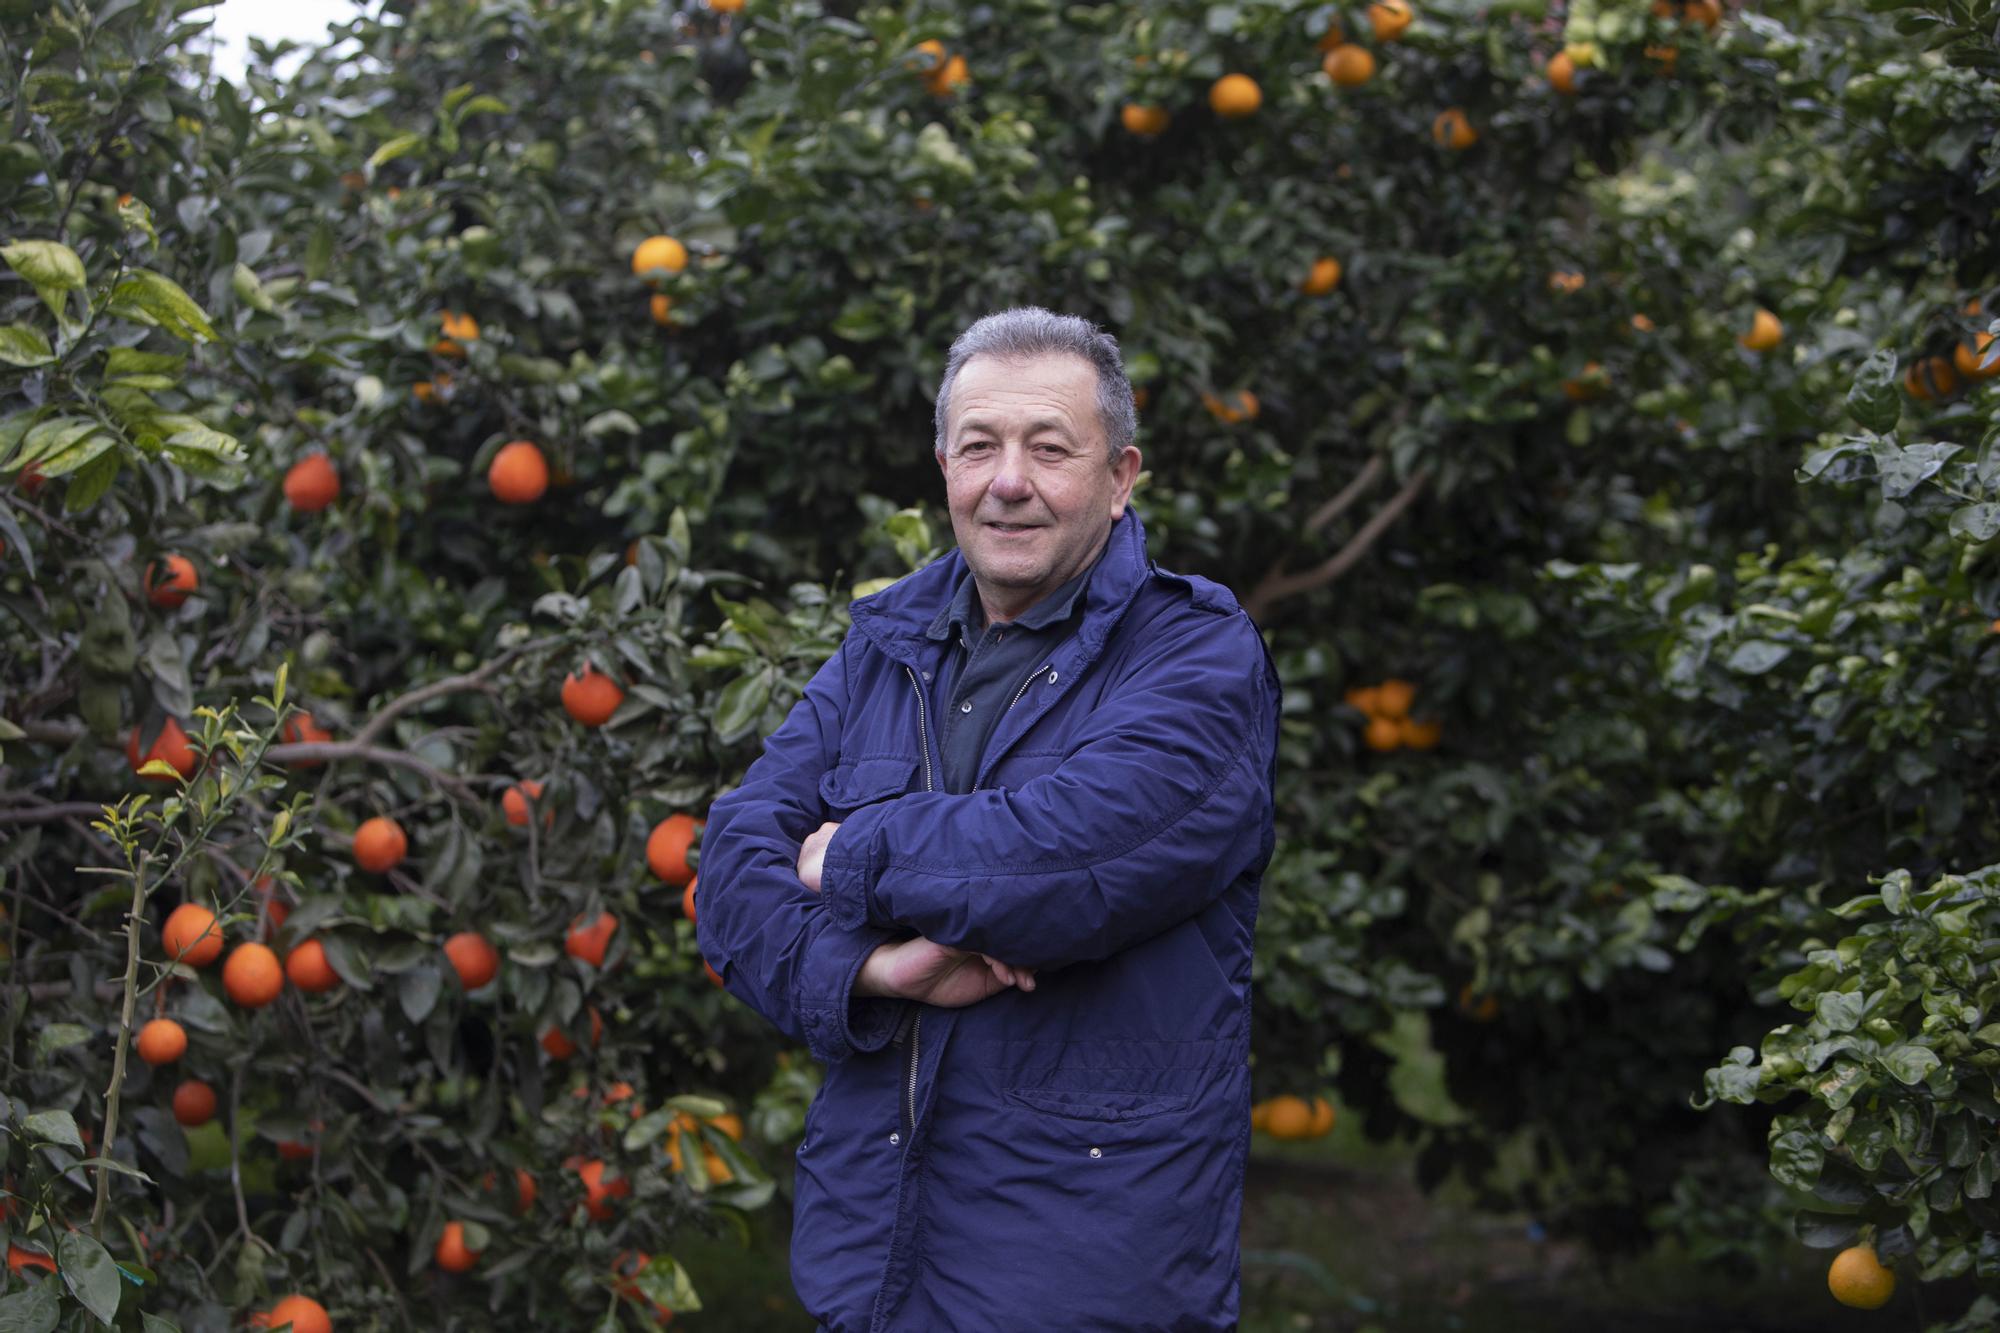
(942, 71)
(1291, 1119)
(657, 257)
(1931, 378)
(1390, 726)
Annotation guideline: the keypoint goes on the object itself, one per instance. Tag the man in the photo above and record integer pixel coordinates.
(999, 871)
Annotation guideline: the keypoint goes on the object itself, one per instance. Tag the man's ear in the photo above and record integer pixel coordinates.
(1124, 473)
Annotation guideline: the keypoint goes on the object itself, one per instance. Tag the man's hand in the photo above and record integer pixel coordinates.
(936, 974)
(812, 855)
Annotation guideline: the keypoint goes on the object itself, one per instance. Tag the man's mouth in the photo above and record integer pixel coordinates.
(1012, 527)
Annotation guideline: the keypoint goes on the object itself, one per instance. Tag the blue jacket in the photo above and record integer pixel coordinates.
(1068, 1158)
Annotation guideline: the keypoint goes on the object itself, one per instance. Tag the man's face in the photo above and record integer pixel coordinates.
(1031, 494)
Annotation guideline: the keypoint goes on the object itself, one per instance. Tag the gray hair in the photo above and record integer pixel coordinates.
(1030, 331)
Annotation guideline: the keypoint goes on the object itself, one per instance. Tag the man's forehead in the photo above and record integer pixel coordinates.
(1046, 385)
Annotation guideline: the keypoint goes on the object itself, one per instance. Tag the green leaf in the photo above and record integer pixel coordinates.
(76, 453)
(49, 266)
(701, 1108)
(89, 1273)
(1796, 1159)
(125, 361)
(1873, 398)
(1756, 656)
(90, 483)
(1839, 1010)
(153, 298)
(59, 1037)
(32, 1311)
(741, 703)
(393, 149)
(154, 1323)
(1825, 1231)
(417, 990)
(21, 345)
(1976, 523)
(664, 1282)
(1903, 470)
(1910, 1064)
(58, 1127)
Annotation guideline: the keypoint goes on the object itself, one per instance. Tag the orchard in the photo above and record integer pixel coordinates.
(428, 472)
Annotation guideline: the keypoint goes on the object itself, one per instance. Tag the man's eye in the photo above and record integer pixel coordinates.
(974, 447)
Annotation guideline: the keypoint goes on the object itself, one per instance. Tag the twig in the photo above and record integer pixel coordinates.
(117, 1088)
(1349, 493)
(471, 680)
(51, 814)
(293, 752)
(1277, 585)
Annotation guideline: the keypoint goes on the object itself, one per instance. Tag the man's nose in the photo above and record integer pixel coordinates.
(1010, 480)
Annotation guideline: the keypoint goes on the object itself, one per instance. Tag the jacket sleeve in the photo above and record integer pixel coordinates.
(1161, 801)
(773, 941)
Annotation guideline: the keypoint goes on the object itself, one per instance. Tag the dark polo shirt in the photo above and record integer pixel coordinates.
(983, 679)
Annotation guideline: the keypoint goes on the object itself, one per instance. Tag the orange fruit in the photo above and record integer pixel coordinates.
(20, 1259)
(380, 844)
(1349, 66)
(667, 848)
(312, 484)
(1930, 377)
(596, 1190)
(1967, 358)
(1382, 735)
(473, 957)
(1332, 37)
(1288, 1117)
(557, 1043)
(300, 729)
(934, 49)
(1640, 324)
(947, 78)
(591, 698)
(731, 1125)
(1766, 331)
(194, 1103)
(1365, 698)
(451, 1252)
(656, 253)
(1562, 73)
(1587, 385)
(662, 307)
(1393, 698)
(303, 1313)
(1144, 121)
(31, 480)
(191, 935)
(1235, 96)
(1566, 282)
(161, 1042)
(590, 942)
(175, 583)
(1452, 130)
(306, 967)
(1260, 1117)
(251, 976)
(1323, 278)
(1419, 735)
(274, 908)
(1141, 395)
(515, 803)
(170, 746)
(1857, 1278)
(292, 1150)
(1241, 405)
(1389, 18)
(1322, 1119)
(625, 1270)
(713, 975)
(1708, 13)
(1480, 1008)
(687, 901)
(459, 329)
(525, 1190)
(518, 474)
(436, 389)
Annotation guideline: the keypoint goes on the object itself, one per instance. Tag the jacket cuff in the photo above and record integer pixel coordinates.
(836, 1023)
(848, 872)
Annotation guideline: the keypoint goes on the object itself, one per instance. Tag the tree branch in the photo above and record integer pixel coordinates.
(471, 680)
(1349, 493)
(50, 814)
(1277, 585)
(297, 751)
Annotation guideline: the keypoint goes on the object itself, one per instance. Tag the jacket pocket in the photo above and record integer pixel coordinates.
(846, 787)
(1102, 1107)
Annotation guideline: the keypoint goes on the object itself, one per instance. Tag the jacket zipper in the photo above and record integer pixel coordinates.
(1032, 677)
(917, 1027)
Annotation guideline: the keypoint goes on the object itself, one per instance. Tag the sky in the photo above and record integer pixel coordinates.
(236, 21)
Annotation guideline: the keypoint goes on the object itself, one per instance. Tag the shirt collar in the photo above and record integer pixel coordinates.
(965, 613)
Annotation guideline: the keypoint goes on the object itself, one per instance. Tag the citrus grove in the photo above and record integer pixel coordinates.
(426, 476)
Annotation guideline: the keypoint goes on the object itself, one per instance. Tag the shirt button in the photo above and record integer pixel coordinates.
(1097, 1152)
(965, 707)
(895, 1140)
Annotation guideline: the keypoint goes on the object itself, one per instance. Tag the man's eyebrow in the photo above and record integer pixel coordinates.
(1035, 427)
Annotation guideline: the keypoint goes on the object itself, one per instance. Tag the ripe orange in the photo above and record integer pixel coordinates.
(1566, 282)
(170, 746)
(1349, 66)
(518, 474)
(20, 1259)
(591, 698)
(1322, 1119)
(436, 389)
(251, 977)
(1332, 37)
(948, 77)
(1366, 698)
(725, 6)
(1930, 377)
(300, 729)
(161, 1042)
(380, 844)
(1144, 121)
(1641, 324)
(731, 1124)
(473, 957)
(557, 1043)
(312, 484)
(687, 901)
(525, 1190)
(1968, 358)
(1382, 735)
(656, 253)
(191, 935)
(714, 976)
(1288, 1117)
(174, 584)
(662, 307)
(1766, 331)
(596, 1190)
(307, 968)
(1393, 698)
(1260, 1117)
(1323, 278)
(194, 1103)
(1452, 130)
(1586, 386)
(1390, 18)
(292, 1150)
(589, 942)
(1562, 73)
(1857, 1278)
(1235, 96)
(667, 848)
(1708, 13)
(625, 1270)
(934, 49)
(515, 803)
(1480, 1008)
(459, 329)
(31, 480)
(1241, 405)
(1420, 735)
(303, 1313)
(451, 1252)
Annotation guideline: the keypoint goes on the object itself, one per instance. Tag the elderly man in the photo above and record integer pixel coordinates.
(999, 871)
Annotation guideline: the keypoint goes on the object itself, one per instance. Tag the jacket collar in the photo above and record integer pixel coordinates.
(899, 618)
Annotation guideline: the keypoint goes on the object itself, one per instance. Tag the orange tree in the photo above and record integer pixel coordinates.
(531, 386)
